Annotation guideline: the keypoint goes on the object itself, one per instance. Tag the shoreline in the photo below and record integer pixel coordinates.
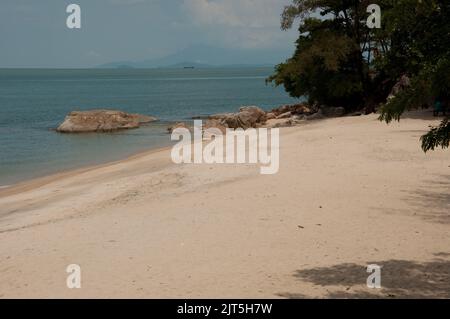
(33, 183)
(36, 182)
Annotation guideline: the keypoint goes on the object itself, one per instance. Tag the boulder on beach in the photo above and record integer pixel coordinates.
(214, 125)
(316, 116)
(247, 117)
(400, 86)
(333, 111)
(170, 129)
(285, 115)
(294, 109)
(102, 121)
(220, 116)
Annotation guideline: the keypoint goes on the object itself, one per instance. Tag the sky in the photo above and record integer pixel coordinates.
(34, 33)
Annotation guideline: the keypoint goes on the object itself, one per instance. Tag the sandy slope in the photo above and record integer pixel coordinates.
(350, 192)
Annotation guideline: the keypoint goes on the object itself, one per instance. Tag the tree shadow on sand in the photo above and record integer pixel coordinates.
(399, 279)
(431, 202)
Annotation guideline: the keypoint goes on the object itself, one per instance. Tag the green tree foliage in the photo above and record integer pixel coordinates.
(322, 67)
(331, 64)
(420, 47)
(339, 61)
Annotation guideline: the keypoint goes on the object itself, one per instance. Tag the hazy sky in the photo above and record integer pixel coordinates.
(33, 33)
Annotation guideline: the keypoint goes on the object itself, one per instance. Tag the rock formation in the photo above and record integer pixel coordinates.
(170, 129)
(247, 117)
(102, 121)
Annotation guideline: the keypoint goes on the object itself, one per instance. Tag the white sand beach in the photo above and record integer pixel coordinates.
(350, 192)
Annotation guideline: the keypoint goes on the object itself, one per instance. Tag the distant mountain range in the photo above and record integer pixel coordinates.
(201, 56)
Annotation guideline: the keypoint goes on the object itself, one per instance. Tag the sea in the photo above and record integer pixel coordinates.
(33, 102)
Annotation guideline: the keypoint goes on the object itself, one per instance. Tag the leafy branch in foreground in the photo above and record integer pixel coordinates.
(437, 136)
(412, 97)
(423, 53)
(431, 82)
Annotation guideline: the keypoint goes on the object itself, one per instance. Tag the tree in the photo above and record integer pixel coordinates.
(339, 61)
(332, 62)
(420, 47)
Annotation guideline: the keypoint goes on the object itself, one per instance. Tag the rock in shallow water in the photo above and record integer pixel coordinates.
(102, 121)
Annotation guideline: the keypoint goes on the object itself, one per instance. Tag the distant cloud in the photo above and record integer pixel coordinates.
(236, 13)
(240, 23)
(34, 33)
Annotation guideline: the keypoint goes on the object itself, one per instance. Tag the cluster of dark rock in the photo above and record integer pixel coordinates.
(247, 117)
(254, 117)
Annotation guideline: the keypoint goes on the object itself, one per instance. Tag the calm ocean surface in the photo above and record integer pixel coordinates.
(33, 102)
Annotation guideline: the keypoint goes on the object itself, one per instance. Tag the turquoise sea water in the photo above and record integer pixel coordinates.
(33, 102)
